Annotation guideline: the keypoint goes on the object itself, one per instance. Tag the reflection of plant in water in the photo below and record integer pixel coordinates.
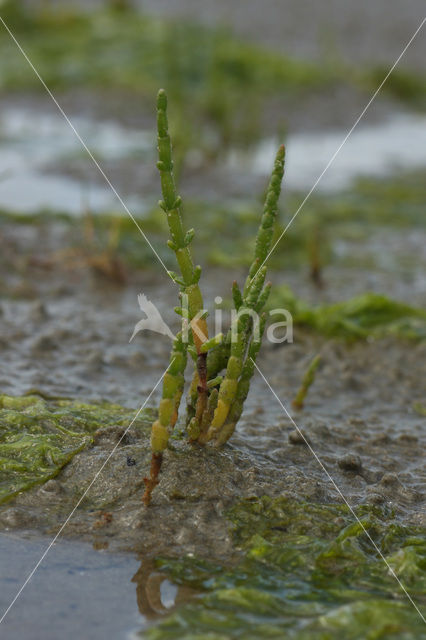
(223, 365)
(149, 594)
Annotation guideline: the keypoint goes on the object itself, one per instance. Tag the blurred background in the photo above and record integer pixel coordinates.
(241, 78)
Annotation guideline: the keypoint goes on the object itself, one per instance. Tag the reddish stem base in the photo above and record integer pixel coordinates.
(152, 481)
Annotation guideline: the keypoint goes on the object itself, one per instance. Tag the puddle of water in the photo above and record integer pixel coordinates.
(30, 142)
(79, 592)
(374, 151)
(27, 191)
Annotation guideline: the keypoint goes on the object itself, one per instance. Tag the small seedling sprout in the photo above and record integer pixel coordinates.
(307, 381)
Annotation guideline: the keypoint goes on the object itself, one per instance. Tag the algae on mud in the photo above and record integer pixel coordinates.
(38, 437)
(366, 316)
(420, 409)
(306, 571)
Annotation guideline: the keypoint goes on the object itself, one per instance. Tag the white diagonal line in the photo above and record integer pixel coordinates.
(330, 477)
(86, 148)
(345, 139)
(64, 524)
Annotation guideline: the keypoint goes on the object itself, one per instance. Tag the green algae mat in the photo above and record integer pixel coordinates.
(367, 315)
(306, 571)
(38, 437)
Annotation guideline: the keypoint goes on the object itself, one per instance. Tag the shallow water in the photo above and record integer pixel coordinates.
(33, 141)
(77, 592)
(38, 150)
(397, 144)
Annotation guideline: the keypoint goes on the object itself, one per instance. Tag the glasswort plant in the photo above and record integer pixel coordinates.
(223, 365)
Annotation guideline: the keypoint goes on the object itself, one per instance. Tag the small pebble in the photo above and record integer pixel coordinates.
(298, 437)
(43, 343)
(376, 498)
(51, 486)
(13, 518)
(350, 462)
(407, 438)
(94, 358)
(389, 480)
(380, 439)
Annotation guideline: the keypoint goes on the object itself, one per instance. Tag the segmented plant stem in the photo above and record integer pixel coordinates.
(307, 381)
(188, 281)
(270, 209)
(179, 240)
(243, 386)
(228, 386)
(173, 384)
(234, 388)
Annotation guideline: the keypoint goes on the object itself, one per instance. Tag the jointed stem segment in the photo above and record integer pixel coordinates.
(188, 280)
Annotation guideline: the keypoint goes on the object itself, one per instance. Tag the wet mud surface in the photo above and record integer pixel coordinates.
(66, 332)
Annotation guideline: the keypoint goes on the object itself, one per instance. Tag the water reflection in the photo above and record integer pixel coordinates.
(155, 594)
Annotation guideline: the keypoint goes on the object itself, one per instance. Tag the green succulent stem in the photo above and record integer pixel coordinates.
(243, 386)
(244, 342)
(254, 297)
(307, 381)
(180, 241)
(267, 224)
(173, 384)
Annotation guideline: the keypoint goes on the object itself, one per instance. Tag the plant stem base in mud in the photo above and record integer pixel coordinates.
(152, 481)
